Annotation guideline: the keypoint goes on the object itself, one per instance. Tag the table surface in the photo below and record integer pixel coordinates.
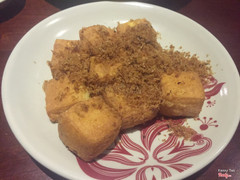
(220, 17)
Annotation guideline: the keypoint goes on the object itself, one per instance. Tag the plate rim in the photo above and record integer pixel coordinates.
(10, 61)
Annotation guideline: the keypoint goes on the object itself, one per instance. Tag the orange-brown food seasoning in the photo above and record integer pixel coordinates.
(114, 79)
(180, 130)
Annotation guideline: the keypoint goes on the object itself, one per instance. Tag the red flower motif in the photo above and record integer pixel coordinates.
(211, 103)
(214, 87)
(143, 155)
(206, 123)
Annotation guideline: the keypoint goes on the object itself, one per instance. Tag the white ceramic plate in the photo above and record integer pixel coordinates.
(159, 156)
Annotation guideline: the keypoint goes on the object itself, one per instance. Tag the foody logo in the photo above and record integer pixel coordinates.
(225, 173)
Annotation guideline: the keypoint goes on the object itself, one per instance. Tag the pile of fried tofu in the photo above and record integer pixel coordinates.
(89, 125)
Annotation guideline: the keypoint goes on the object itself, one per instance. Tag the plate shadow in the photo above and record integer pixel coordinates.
(170, 4)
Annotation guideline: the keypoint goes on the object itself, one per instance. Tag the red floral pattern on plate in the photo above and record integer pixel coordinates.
(150, 157)
(212, 88)
(151, 151)
(206, 123)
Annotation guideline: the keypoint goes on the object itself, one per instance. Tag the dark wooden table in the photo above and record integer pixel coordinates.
(220, 17)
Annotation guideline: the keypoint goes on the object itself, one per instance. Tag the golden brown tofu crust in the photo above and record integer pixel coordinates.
(92, 39)
(89, 127)
(62, 50)
(183, 94)
(132, 115)
(60, 96)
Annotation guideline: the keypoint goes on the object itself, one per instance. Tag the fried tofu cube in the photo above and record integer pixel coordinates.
(183, 94)
(62, 45)
(60, 95)
(122, 28)
(103, 69)
(131, 115)
(138, 30)
(94, 38)
(89, 127)
(95, 34)
(62, 50)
